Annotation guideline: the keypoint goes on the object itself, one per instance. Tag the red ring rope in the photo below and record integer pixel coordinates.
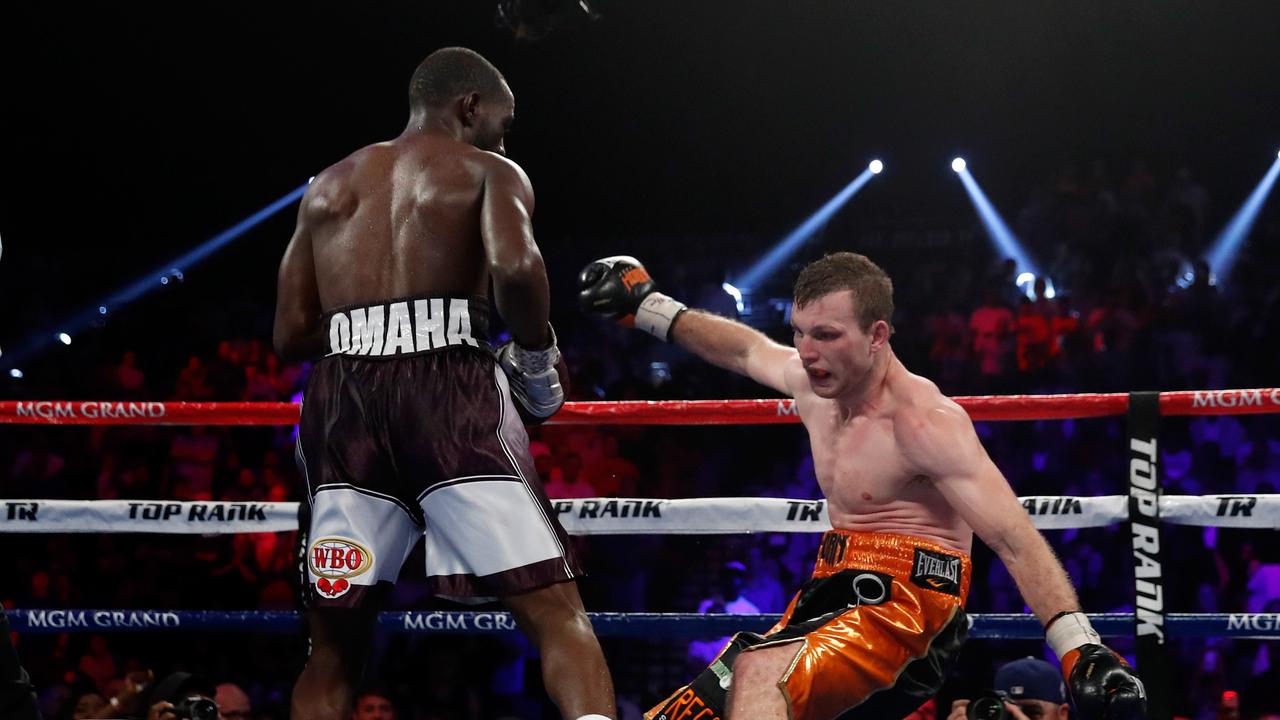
(637, 412)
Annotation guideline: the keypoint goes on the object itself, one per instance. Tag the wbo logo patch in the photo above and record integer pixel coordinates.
(334, 560)
(936, 571)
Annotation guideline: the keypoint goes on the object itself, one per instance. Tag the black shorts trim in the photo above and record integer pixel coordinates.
(469, 479)
(414, 513)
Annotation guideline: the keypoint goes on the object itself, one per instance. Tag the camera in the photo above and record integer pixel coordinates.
(195, 707)
(988, 706)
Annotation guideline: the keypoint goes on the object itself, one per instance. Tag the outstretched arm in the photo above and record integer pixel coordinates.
(620, 288)
(734, 346)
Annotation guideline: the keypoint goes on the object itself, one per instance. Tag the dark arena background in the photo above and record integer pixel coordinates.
(1071, 198)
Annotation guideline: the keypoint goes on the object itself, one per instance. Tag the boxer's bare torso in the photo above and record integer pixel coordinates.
(425, 214)
(869, 478)
(399, 219)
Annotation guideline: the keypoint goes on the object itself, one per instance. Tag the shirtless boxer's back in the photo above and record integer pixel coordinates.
(410, 425)
(907, 483)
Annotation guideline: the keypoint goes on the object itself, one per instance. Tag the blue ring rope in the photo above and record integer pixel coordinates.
(997, 626)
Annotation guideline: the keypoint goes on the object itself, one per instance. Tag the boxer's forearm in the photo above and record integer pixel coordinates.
(1039, 574)
(297, 334)
(720, 341)
(304, 347)
(523, 297)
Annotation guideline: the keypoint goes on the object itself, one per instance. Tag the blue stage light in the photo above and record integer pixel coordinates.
(1222, 254)
(876, 167)
(736, 294)
(64, 338)
(997, 229)
(15, 374)
(173, 269)
(776, 257)
(958, 165)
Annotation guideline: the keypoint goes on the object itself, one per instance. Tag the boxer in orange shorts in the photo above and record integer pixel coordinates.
(883, 614)
(907, 484)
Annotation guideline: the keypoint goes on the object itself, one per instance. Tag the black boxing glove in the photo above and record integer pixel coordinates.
(535, 378)
(620, 288)
(1103, 686)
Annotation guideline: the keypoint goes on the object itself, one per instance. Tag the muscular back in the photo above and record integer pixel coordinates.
(397, 219)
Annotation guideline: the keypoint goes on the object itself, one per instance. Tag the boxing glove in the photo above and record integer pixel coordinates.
(621, 289)
(1103, 686)
(535, 379)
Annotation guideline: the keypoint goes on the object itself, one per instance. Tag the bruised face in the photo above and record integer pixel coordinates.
(836, 352)
(491, 119)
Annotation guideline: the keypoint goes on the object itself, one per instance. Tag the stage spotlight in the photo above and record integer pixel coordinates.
(1222, 254)
(736, 294)
(997, 229)
(16, 374)
(876, 167)
(171, 270)
(776, 257)
(64, 338)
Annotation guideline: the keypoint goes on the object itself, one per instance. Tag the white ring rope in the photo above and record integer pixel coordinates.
(614, 516)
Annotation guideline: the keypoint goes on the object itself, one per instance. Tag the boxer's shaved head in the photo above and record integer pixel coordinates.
(452, 72)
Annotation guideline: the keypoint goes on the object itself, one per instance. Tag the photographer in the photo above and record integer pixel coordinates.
(1026, 689)
(182, 696)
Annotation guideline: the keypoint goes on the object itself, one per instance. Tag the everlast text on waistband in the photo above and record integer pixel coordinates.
(408, 327)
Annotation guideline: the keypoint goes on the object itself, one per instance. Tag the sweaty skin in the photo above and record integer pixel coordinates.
(437, 211)
(421, 215)
(891, 452)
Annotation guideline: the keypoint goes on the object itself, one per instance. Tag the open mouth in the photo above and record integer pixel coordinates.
(817, 374)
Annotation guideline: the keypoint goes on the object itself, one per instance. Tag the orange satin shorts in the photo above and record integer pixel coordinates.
(875, 631)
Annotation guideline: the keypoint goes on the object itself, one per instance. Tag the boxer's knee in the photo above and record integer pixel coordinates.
(757, 691)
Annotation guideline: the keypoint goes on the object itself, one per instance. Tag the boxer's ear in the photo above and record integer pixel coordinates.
(469, 104)
(880, 332)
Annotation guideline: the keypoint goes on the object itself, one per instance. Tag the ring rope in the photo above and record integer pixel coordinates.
(1147, 508)
(993, 626)
(636, 412)
(615, 516)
